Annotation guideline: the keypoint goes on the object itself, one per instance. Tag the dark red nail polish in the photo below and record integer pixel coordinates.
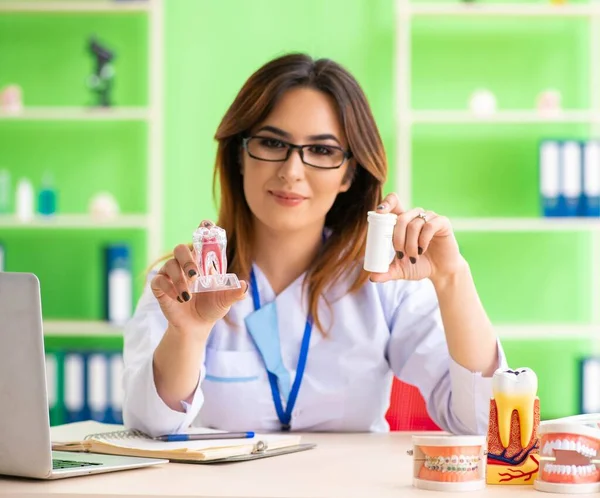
(192, 273)
(413, 260)
(420, 251)
(400, 254)
(179, 299)
(186, 296)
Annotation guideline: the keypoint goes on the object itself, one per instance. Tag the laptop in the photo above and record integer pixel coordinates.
(25, 445)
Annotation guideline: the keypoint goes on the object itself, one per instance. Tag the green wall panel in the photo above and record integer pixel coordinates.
(557, 365)
(531, 278)
(213, 47)
(83, 159)
(47, 54)
(514, 58)
(476, 170)
(70, 266)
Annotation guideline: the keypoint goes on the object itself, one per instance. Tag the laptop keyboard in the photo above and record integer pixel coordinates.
(70, 464)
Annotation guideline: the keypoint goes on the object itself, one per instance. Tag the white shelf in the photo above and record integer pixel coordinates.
(525, 224)
(75, 221)
(106, 6)
(549, 331)
(80, 328)
(77, 114)
(509, 116)
(505, 10)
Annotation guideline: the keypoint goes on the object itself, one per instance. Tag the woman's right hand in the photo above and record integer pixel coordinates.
(183, 310)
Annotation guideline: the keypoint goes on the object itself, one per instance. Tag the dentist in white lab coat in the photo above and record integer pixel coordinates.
(311, 341)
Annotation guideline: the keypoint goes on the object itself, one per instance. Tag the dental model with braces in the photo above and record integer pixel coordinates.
(513, 441)
(569, 453)
(210, 245)
(454, 463)
(448, 463)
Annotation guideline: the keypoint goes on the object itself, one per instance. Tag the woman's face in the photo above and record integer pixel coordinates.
(288, 195)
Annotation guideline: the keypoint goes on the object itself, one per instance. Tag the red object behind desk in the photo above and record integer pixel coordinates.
(407, 411)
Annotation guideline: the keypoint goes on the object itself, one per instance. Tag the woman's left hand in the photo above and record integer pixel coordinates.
(424, 242)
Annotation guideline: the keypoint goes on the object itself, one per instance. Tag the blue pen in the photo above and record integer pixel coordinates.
(171, 438)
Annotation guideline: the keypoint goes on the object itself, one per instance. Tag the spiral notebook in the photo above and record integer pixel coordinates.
(95, 437)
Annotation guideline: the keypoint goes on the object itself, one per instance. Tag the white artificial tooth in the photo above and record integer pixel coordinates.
(557, 444)
(571, 445)
(567, 470)
(548, 468)
(574, 470)
(565, 444)
(546, 450)
(594, 452)
(515, 390)
(578, 447)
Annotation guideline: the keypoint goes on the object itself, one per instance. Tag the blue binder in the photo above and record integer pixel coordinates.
(115, 380)
(549, 177)
(591, 179)
(75, 389)
(571, 178)
(97, 385)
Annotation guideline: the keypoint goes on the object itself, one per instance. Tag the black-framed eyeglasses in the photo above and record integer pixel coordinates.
(322, 156)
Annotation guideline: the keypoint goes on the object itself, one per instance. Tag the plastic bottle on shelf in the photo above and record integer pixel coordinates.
(47, 197)
(24, 200)
(119, 284)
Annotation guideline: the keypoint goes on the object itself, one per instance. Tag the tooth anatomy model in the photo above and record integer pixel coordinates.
(512, 442)
(570, 455)
(210, 246)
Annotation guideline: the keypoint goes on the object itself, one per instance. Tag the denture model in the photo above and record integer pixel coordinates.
(512, 441)
(569, 449)
(210, 245)
(449, 463)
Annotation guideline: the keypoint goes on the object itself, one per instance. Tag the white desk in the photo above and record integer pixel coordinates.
(343, 465)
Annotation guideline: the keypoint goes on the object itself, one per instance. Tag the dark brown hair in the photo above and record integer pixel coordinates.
(347, 218)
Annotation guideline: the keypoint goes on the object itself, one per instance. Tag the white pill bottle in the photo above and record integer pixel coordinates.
(380, 247)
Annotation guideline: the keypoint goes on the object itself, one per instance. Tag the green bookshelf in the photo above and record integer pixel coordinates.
(538, 278)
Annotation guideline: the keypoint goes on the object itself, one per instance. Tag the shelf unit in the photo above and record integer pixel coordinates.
(77, 114)
(104, 6)
(525, 224)
(76, 222)
(71, 328)
(153, 115)
(505, 10)
(502, 117)
(407, 118)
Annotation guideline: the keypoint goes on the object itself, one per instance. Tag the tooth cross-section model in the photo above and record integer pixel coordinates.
(513, 442)
(210, 245)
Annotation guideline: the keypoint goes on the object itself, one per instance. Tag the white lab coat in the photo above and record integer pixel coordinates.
(382, 330)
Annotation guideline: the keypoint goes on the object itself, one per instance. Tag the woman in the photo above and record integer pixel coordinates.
(315, 344)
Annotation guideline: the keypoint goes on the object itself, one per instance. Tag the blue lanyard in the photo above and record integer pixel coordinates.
(285, 416)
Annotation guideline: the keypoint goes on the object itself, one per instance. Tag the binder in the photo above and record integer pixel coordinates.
(571, 183)
(118, 284)
(97, 384)
(549, 166)
(116, 368)
(591, 179)
(74, 386)
(590, 380)
(116, 440)
(52, 386)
